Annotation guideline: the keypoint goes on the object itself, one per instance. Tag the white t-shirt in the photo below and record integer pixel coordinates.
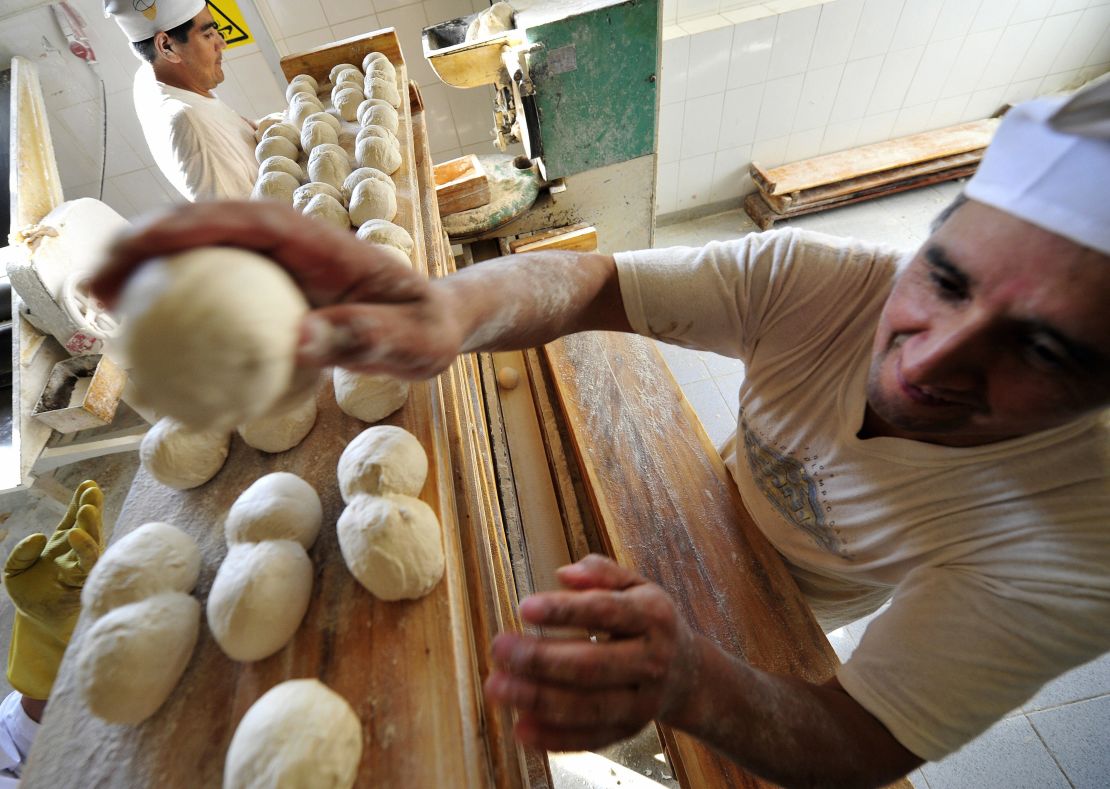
(204, 148)
(997, 556)
(17, 735)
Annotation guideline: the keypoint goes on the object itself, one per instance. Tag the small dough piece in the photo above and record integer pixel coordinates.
(265, 122)
(373, 199)
(382, 459)
(281, 164)
(181, 458)
(369, 398)
(294, 88)
(305, 193)
(330, 210)
(275, 186)
(348, 74)
(280, 432)
(346, 101)
(327, 118)
(298, 735)
(380, 87)
(301, 107)
(379, 153)
(277, 506)
(359, 175)
(371, 57)
(259, 597)
(381, 231)
(286, 130)
(211, 334)
(392, 545)
(344, 85)
(338, 69)
(378, 112)
(374, 130)
(311, 80)
(275, 146)
(330, 164)
(315, 133)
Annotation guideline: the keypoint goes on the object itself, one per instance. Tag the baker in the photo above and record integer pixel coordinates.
(202, 146)
(925, 428)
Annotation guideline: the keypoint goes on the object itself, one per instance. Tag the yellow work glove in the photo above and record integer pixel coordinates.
(44, 579)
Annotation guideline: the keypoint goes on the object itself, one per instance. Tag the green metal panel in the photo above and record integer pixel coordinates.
(596, 86)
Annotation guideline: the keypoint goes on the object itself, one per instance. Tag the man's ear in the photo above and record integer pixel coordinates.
(164, 46)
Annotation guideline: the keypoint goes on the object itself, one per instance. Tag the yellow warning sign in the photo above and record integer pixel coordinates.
(232, 26)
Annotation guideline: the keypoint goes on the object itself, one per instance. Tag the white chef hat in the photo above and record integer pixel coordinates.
(141, 19)
(1049, 164)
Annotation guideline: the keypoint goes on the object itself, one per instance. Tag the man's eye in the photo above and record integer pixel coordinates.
(1046, 354)
(946, 286)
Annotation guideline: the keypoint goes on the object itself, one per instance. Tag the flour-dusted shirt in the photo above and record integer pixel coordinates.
(997, 556)
(200, 144)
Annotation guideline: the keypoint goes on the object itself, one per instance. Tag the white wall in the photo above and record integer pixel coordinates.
(778, 87)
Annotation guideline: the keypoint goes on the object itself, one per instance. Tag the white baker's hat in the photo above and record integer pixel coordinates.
(141, 19)
(1049, 164)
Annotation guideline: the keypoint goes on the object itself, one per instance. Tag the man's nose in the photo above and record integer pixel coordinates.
(952, 355)
(222, 45)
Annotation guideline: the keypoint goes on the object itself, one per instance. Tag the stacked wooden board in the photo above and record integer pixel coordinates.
(870, 171)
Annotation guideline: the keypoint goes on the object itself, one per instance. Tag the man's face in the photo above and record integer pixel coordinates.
(202, 55)
(996, 329)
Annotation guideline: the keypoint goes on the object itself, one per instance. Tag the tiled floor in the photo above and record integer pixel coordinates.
(1059, 738)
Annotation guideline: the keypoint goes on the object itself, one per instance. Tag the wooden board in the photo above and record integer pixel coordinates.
(461, 184)
(318, 62)
(879, 156)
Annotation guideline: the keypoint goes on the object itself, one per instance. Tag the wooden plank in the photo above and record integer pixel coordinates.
(579, 240)
(461, 184)
(317, 62)
(873, 158)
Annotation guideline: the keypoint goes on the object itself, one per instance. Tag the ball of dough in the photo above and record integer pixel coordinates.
(346, 101)
(132, 657)
(345, 84)
(327, 118)
(286, 130)
(275, 186)
(315, 133)
(281, 431)
(338, 69)
(359, 175)
(329, 163)
(278, 506)
(371, 57)
(369, 398)
(382, 459)
(154, 558)
(373, 130)
(211, 334)
(379, 153)
(266, 122)
(392, 545)
(308, 78)
(303, 194)
(330, 210)
(281, 164)
(380, 87)
(381, 231)
(259, 597)
(301, 107)
(294, 88)
(381, 68)
(298, 735)
(275, 146)
(182, 458)
(347, 74)
(378, 112)
(372, 199)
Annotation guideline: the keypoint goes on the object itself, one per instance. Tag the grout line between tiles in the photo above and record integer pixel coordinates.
(1051, 755)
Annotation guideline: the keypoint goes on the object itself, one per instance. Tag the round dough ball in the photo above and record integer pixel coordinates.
(281, 431)
(392, 545)
(379, 153)
(281, 164)
(377, 112)
(381, 231)
(345, 84)
(372, 199)
(275, 146)
(301, 107)
(380, 67)
(338, 69)
(211, 334)
(311, 80)
(330, 210)
(132, 657)
(155, 558)
(371, 57)
(259, 597)
(327, 118)
(382, 459)
(381, 87)
(304, 194)
(275, 186)
(329, 163)
(182, 458)
(369, 398)
(286, 130)
(348, 74)
(315, 133)
(278, 506)
(359, 175)
(265, 122)
(299, 735)
(346, 102)
(295, 88)
(373, 130)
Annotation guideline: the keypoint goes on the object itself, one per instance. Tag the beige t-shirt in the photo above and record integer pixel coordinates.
(204, 148)
(998, 556)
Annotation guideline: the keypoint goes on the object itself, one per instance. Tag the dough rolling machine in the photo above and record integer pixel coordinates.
(536, 458)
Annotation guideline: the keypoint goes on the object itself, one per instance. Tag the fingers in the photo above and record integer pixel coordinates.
(595, 571)
(618, 613)
(90, 493)
(552, 705)
(88, 521)
(25, 554)
(86, 547)
(581, 663)
(560, 738)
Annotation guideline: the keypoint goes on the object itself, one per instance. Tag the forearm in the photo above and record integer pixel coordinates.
(787, 730)
(528, 300)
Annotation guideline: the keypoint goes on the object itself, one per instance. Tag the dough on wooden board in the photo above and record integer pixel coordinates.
(306, 192)
(277, 506)
(382, 459)
(373, 199)
(347, 74)
(392, 545)
(361, 174)
(302, 106)
(282, 430)
(211, 335)
(378, 112)
(275, 146)
(265, 122)
(379, 153)
(380, 87)
(281, 164)
(375, 56)
(330, 210)
(338, 69)
(182, 458)
(374, 130)
(286, 130)
(298, 735)
(315, 133)
(325, 117)
(370, 398)
(277, 186)
(386, 233)
(346, 101)
(330, 164)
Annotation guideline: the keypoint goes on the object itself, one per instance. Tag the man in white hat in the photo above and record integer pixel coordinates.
(203, 147)
(929, 429)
